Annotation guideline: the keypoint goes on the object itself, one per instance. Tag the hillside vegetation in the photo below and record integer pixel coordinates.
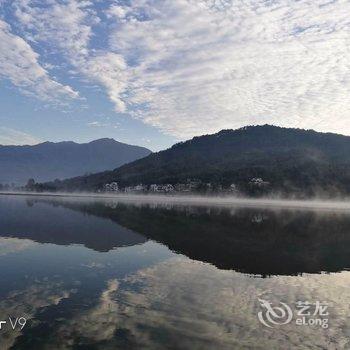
(296, 162)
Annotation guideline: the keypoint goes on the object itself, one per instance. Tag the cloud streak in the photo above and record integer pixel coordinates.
(19, 63)
(206, 65)
(190, 67)
(14, 137)
(67, 27)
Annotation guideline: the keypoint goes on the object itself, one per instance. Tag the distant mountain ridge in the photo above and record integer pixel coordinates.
(48, 161)
(293, 161)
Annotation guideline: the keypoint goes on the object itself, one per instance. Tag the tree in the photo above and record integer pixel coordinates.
(30, 185)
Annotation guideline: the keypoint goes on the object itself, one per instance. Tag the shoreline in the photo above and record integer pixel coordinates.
(198, 200)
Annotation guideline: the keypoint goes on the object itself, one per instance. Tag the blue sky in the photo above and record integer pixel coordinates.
(153, 72)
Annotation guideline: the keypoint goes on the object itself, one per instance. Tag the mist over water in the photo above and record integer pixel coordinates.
(203, 200)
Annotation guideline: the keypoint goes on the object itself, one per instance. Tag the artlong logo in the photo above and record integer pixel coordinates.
(274, 315)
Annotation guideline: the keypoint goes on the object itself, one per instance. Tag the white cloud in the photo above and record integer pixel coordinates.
(19, 64)
(190, 67)
(97, 124)
(67, 28)
(116, 11)
(108, 70)
(14, 137)
(206, 65)
(64, 25)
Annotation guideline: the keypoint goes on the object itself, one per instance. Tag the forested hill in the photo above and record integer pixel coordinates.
(292, 161)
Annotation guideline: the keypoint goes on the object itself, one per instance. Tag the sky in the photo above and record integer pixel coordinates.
(155, 72)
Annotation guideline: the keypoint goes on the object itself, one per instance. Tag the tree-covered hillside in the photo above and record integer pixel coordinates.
(293, 161)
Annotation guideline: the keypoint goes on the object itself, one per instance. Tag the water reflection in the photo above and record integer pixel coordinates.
(254, 241)
(181, 304)
(40, 222)
(107, 275)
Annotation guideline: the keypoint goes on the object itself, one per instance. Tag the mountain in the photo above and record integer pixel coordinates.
(48, 161)
(291, 161)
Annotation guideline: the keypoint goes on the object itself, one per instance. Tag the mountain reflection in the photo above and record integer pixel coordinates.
(147, 297)
(43, 223)
(253, 241)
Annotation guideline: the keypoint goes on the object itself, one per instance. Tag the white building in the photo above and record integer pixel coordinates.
(153, 188)
(233, 188)
(168, 188)
(112, 187)
(258, 182)
(161, 188)
(139, 188)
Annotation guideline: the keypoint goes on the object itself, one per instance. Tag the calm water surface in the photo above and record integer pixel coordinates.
(102, 274)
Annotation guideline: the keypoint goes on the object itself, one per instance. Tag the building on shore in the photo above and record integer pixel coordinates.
(112, 187)
(258, 182)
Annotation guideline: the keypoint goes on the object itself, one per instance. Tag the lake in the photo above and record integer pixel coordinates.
(80, 273)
